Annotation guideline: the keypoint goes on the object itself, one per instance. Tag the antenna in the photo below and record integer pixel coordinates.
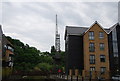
(57, 38)
(56, 25)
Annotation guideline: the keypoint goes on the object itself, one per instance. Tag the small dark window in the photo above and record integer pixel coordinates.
(92, 59)
(101, 35)
(103, 69)
(102, 46)
(102, 58)
(91, 47)
(115, 54)
(91, 35)
(92, 68)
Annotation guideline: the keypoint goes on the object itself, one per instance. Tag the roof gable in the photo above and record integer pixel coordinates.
(93, 26)
(73, 30)
(112, 28)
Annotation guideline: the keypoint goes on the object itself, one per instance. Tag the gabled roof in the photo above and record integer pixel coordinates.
(107, 30)
(114, 26)
(94, 24)
(73, 30)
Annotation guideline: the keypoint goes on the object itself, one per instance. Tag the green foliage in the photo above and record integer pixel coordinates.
(46, 53)
(53, 50)
(62, 58)
(28, 58)
(44, 66)
(46, 59)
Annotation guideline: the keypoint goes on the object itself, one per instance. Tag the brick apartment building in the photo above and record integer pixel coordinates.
(91, 51)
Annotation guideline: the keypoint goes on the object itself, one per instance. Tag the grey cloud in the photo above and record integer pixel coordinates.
(34, 23)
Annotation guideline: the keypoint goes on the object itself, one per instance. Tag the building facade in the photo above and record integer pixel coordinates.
(7, 50)
(114, 49)
(96, 57)
(74, 49)
(90, 50)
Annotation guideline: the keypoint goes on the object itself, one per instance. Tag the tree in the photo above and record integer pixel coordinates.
(26, 57)
(53, 50)
(46, 53)
(44, 67)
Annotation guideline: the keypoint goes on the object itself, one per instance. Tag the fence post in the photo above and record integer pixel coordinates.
(82, 78)
(77, 78)
(76, 73)
(70, 72)
(71, 77)
(67, 77)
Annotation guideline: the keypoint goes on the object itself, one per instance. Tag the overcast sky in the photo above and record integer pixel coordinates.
(34, 22)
